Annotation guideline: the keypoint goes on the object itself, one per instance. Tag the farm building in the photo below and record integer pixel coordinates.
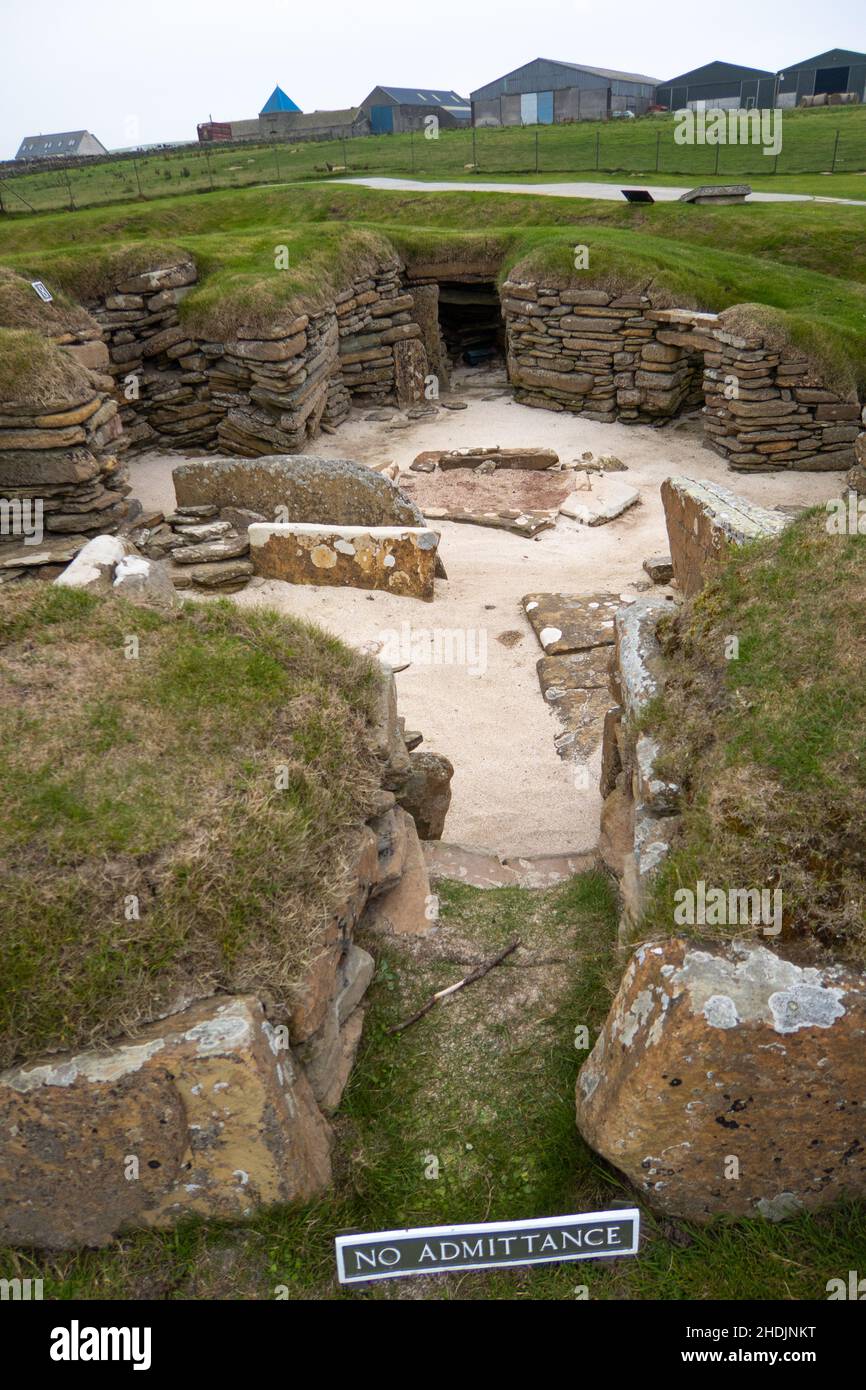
(829, 74)
(394, 109)
(66, 143)
(718, 84)
(546, 91)
(314, 125)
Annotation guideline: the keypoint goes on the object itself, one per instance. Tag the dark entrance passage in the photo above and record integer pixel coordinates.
(470, 317)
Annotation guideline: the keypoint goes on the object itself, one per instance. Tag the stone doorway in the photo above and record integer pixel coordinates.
(471, 324)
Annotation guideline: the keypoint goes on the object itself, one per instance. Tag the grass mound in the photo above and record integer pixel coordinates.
(33, 372)
(771, 747)
(147, 852)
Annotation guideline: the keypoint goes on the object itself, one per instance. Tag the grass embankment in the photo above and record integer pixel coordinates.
(468, 1116)
(823, 149)
(771, 747)
(807, 262)
(146, 785)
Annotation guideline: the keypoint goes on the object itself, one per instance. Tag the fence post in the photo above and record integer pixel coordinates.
(718, 153)
(835, 149)
(474, 155)
(69, 186)
(536, 149)
(137, 179)
(209, 170)
(277, 162)
(658, 148)
(597, 147)
(345, 156)
(412, 146)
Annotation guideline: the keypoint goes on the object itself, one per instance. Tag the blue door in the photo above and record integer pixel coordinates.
(545, 108)
(382, 119)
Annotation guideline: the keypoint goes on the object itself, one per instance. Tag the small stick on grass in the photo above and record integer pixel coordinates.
(475, 974)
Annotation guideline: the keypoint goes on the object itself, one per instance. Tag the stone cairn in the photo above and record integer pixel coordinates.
(62, 457)
(612, 357)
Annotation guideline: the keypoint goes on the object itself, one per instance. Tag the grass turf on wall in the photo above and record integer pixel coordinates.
(154, 778)
(809, 262)
(771, 747)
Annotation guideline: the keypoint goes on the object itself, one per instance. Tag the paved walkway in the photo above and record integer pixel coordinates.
(612, 192)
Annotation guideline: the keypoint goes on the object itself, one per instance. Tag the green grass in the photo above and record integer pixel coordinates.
(643, 147)
(154, 778)
(807, 262)
(484, 1084)
(771, 747)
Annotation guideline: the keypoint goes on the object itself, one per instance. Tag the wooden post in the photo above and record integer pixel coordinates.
(137, 179)
(658, 148)
(536, 149)
(597, 147)
(474, 155)
(835, 150)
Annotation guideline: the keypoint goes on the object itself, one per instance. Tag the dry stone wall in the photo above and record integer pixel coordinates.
(617, 357)
(266, 390)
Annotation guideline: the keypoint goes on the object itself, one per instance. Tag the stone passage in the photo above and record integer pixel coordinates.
(576, 635)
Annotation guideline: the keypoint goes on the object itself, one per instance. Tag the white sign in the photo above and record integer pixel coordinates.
(42, 291)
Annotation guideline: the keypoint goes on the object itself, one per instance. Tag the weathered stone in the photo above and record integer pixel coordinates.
(409, 909)
(334, 491)
(399, 559)
(94, 565)
(571, 622)
(426, 792)
(704, 520)
(717, 1050)
(659, 568)
(144, 582)
(607, 501)
(218, 1116)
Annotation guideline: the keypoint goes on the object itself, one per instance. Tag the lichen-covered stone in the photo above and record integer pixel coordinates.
(400, 560)
(704, 521)
(727, 1080)
(206, 1112)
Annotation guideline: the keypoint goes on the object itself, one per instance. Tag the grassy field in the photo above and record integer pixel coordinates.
(819, 143)
(467, 1116)
(807, 261)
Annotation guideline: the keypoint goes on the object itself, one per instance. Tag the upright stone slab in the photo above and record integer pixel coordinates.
(399, 559)
(704, 521)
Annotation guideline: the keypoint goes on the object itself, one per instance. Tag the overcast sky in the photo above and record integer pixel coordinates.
(141, 71)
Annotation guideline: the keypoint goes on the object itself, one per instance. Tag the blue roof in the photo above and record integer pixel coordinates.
(278, 101)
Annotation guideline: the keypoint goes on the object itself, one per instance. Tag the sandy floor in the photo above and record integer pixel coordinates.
(480, 702)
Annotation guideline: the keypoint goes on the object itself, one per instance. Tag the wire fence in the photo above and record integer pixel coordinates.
(647, 148)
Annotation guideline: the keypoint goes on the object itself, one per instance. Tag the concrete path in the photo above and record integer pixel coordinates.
(611, 192)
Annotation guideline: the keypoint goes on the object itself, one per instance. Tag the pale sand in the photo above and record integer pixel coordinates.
(511, 792)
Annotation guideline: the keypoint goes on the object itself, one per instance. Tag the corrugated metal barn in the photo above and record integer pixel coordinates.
(838, 70)
(394, 109)
(546, 91)
(718, 84)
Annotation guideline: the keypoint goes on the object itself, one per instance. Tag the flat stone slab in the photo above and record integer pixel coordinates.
(51, 550)
(478, 455)
(607, 500)
(398, 559)
(581, 712)
(480, 868)
(717, 193)
(572, 622)
(586, 670)
(309, 489)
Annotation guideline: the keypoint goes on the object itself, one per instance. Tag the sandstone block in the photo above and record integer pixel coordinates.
(401, 560)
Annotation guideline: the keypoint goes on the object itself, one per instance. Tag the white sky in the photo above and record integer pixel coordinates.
(142, 71)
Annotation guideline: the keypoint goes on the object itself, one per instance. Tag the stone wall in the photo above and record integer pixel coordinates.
(61, 471)
(223, 1107)
(617, 357)
(265, 390)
